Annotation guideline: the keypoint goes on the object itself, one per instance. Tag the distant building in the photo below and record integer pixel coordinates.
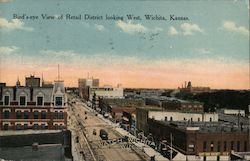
(121, 110)
(85, 84)
(32, 81)
(33, 107)
(106, 92)
(169, 103)
(190, 89)
(232, 112)
(142, 92)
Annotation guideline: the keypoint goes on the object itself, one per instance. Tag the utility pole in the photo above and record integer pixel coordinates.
(171, 148)
(58, 72)
(248, 125)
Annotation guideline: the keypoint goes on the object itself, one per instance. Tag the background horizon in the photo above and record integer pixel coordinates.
(210, 49)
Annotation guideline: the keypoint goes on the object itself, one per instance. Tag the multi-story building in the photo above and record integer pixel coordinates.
(158, 113)
(121, 110)
(85, 84)
(32, 81)
(106, 92)
(33, 107)
(201, 140)
(169, 103)
(182, 105)
(190, 89)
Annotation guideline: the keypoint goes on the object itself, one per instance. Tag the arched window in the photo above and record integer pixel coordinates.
(36, 114)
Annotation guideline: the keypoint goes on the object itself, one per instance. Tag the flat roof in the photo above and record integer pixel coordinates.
(44, 152)
(211, 127)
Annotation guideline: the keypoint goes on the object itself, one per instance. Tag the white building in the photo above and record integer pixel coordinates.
(232, 112)
(181, 116)
(107, 92)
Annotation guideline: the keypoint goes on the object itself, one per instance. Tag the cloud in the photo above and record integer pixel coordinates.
(5, 1)
(131, 28)
(59, 53)
(172, 31)
(6, 50)
(232, 27)
(190, 29)
(13, 24)
(99, 27)
(203, 51)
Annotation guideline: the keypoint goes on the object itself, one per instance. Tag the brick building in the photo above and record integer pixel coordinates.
(144, 113)
(201, 139)
(32, 107)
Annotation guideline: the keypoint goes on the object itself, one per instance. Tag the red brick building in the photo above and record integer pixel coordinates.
(201, 139)
(33, 107)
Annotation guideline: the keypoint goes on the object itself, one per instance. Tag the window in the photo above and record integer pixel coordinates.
(232, 145)
(18, 127)
(225, 145)
(238, 146)
(210, 119)
(191, 119)
(60, 115)
(43, 115)
(6, 126)
(26, 115)
(204, 146)
(218, 146)
(205, 158)
(212, 146)
(22, 100)
(25, 126)
(199, 119)
(184, 119)
(166, 118)
(43, 126)
(39, 101)
(56, 126)
(35, 126)
(58, 101)
(6, 114)
(36, 114)
(61, 127)
(171, 118)
(245, 145)
(6, 100)
(218, 158)
(18, 115)
(56, 115)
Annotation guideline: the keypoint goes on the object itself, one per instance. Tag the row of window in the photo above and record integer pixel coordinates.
(34, 127)
(192, 106)
(171, 119)
(26, 115)
(234, 145)
(39, 101)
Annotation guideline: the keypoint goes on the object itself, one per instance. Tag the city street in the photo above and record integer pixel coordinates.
(83, 122)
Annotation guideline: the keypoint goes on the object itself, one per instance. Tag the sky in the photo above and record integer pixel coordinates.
(210, 47)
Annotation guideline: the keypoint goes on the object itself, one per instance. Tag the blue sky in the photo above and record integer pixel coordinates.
(215, 38)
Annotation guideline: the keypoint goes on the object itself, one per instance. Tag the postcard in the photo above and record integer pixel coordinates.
(116, 58)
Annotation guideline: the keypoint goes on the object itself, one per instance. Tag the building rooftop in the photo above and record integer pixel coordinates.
(204, 127)
(164, 98)
(156, 108)
(50, 152)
